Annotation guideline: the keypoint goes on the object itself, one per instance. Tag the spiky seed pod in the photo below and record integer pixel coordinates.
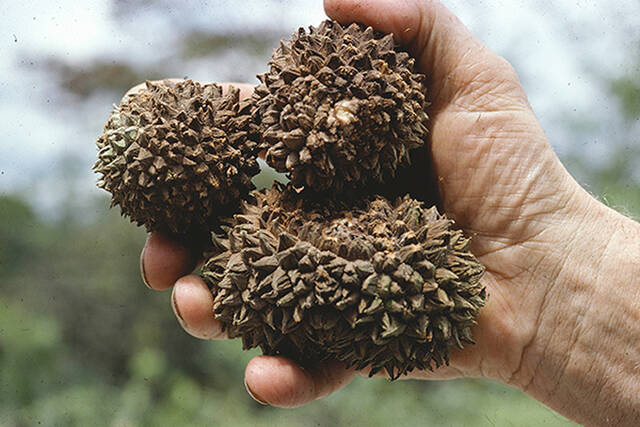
(340, 107)
(176, 155)
(383, 286)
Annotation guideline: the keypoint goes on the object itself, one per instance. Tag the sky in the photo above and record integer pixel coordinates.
(561, 50)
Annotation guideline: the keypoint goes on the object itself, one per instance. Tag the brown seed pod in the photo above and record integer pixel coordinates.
(177, 155)
(340, 107)
(379, 285)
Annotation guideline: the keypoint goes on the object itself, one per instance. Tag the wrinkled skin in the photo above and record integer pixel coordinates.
(543, 239)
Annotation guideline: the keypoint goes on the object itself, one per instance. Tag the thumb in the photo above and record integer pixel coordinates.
(461, 70)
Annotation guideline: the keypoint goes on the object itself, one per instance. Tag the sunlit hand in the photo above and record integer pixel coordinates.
(497, 176)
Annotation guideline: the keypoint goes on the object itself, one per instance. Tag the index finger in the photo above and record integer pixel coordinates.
(280, 382)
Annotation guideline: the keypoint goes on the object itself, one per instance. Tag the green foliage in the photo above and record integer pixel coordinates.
(99, 75)
(615, 186)
(616, 181)
(198, 44)
(84, 342)
(627, 91)
(16, 234)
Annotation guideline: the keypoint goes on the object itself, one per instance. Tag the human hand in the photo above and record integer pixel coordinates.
(497, 176)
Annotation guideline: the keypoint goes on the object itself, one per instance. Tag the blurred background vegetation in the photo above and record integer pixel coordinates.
(83, 342)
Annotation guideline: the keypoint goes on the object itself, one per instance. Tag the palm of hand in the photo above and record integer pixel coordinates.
(491, 162)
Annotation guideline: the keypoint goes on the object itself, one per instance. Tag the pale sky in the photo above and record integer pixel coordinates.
(560, 49)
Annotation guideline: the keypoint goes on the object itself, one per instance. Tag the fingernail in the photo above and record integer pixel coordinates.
(174, 304)
(252, 394)
(144, 275)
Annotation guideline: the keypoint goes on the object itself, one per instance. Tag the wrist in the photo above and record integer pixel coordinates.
(583, 360)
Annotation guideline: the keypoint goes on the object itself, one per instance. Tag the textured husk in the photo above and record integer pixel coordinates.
(378, 285)
(177, 155)
(340, 107)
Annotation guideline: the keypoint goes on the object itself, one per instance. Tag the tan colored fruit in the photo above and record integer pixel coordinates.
(340, 107)
(177, 155)
(378, 285)
(302, 271)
